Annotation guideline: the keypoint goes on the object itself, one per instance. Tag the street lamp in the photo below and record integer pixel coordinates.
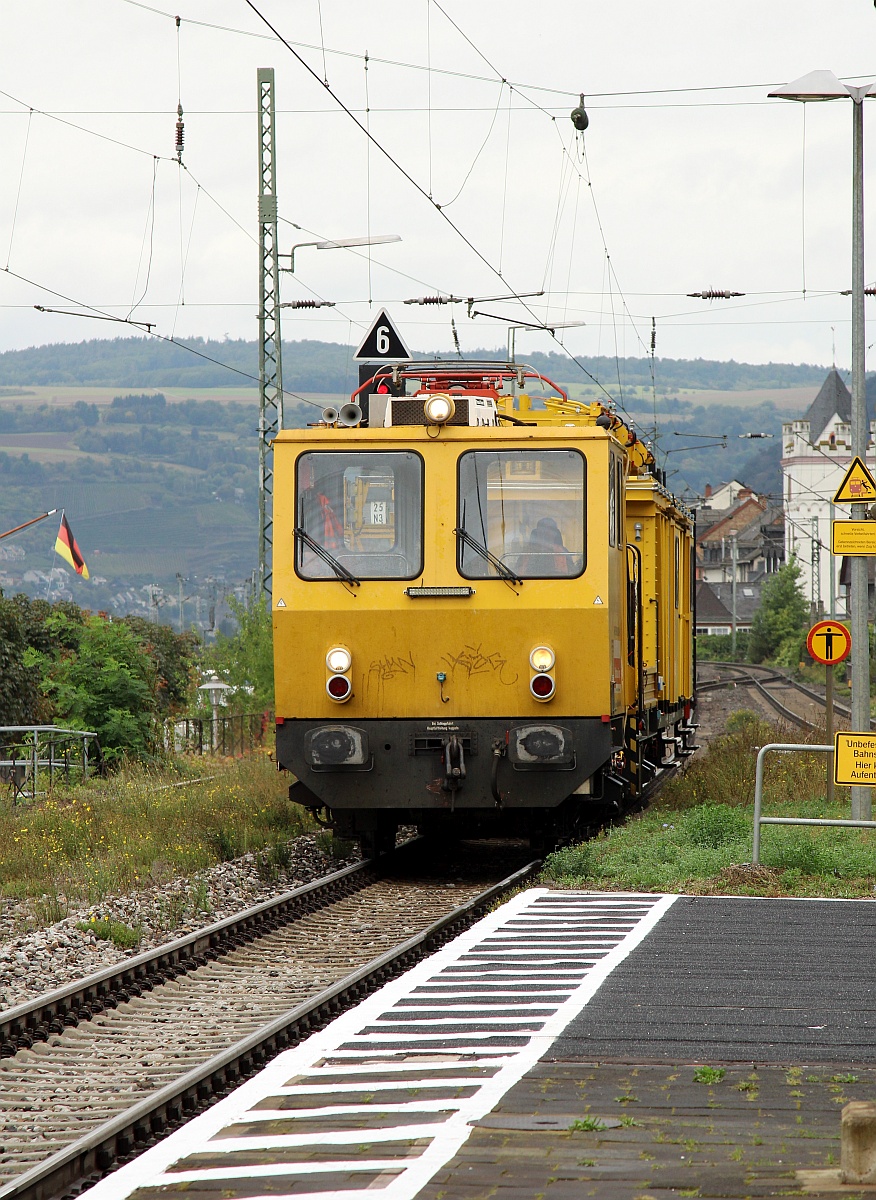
(377, 239)
(215, 689)
(824, 85)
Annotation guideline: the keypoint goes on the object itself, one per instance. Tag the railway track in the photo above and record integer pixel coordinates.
(99, 1070)
(760, 679)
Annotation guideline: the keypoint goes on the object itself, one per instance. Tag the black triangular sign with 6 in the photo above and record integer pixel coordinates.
(382, 343)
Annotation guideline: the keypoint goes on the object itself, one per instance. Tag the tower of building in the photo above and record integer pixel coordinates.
(816, 453)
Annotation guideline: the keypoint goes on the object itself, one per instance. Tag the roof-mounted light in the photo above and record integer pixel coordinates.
(439, 408)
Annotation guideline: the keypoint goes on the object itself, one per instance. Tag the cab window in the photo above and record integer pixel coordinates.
(364, 510)
(525, 508)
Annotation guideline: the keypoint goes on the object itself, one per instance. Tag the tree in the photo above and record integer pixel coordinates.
(106, 685)
(246, 659)
(173, 658)
(116, 678)
(781, 620)
(19, 682)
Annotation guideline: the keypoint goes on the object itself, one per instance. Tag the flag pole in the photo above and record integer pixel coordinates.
(32, 521)
(51, 582)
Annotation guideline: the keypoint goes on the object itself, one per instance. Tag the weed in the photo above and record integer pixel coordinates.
(587, 1125)
(586, 1162)
(627, 1099)
(85, 842)
(714, 825)
(570, 862)
(747, 1085)
(794, 1075)
(684, 844)
(126, 937)
(709, 1074)
(844, 1079)
(646, 1157)
(628, 1121)
(199, 897)
(228, 844)
(813, 1079)
(689, 1192)
(736, 1154)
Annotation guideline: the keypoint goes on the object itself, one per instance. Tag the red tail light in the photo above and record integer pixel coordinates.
(542, 686)
(339, 688)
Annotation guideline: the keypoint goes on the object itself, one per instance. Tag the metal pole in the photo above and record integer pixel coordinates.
(861, 804)
(733, 595)
(816, 572)
(270, 357)
(832, 566)
(828, 702)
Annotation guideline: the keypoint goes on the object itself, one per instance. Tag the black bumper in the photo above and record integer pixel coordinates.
(402, 764)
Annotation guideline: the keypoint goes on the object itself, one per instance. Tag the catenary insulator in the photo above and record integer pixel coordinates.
(180, 132)
(714, 294)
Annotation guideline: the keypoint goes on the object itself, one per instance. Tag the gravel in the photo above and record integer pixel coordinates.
(39, 960)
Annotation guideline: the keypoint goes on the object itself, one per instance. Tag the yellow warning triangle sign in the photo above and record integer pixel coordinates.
(858, 486)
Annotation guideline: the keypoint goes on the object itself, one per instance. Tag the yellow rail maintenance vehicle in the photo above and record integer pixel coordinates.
(482, 610)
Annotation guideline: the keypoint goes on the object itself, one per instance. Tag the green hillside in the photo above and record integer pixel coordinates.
(160, 484)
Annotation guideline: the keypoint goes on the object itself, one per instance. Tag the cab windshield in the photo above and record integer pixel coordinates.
(363, 510)
(524, 509)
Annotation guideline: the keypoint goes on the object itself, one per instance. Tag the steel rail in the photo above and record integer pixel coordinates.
(775, 676)
(746, 678)
(50, 1013)
(115, 1141)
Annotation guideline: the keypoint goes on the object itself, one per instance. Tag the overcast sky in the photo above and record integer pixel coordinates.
(687, 178)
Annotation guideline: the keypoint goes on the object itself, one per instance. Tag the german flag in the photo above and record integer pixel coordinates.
(65, 545)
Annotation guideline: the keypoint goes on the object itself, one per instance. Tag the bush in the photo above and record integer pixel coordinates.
(718, 647)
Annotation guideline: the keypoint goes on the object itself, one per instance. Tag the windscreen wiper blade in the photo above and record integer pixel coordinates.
(504, 572)
(320, 551)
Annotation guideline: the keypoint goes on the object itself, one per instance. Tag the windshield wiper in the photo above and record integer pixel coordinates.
(321, 552)
(504, 572)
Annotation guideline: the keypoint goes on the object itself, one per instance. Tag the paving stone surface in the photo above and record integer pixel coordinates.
(745, 1135)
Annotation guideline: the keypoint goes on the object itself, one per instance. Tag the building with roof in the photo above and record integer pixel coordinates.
(715, 606)
(816, 453)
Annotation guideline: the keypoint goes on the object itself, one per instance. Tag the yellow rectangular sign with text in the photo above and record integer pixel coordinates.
(853, 537)
(854, 760)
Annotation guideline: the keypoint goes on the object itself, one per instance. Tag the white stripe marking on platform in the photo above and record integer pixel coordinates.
(339, 1060)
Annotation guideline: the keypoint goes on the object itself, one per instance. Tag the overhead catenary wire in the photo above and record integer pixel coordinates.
(150, 231)
(416, 185)
(100, 315)
(20, 181)
(519, 85)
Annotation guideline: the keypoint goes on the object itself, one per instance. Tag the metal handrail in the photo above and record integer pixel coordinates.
(787, 748)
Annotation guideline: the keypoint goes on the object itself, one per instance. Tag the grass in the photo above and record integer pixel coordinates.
(144, 826)
(587, 1125)
(709, 1075)
(696, 837)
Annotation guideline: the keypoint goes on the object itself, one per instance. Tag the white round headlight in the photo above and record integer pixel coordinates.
(338, 659)
(439, 408)
(542, 658)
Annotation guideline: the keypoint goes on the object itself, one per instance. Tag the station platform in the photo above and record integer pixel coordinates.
(569, 1044)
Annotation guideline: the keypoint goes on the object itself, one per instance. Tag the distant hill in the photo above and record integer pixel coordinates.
(327, 367)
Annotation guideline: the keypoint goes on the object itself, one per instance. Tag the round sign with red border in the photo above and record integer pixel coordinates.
(829, 642)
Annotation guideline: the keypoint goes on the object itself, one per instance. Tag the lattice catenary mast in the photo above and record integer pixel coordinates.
(270, 356)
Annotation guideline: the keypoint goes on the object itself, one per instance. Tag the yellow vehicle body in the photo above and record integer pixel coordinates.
(443, 704)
